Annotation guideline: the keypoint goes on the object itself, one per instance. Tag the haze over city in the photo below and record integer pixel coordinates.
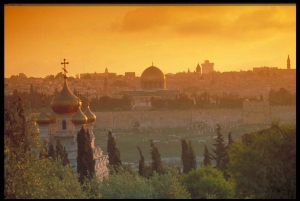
(130, 37)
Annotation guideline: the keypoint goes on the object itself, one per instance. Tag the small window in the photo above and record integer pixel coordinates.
(64, 125)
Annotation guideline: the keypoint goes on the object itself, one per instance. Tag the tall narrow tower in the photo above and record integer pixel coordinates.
(288, 63)
(198, 69)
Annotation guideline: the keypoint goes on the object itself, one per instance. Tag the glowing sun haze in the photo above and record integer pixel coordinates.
(126, 38)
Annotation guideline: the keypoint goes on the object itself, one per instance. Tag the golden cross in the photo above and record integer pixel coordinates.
(64, 68)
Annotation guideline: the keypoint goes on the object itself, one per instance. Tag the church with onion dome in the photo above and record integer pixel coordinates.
(152, 84)
(65, 121)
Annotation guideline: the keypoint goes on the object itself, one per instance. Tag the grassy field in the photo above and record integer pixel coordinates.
(167, 140)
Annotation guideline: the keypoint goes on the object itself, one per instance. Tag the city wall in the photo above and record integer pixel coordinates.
(188, 118)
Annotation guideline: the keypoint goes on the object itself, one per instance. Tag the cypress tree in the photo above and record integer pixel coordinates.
(230, 140)
(89, 156)
(156, 163)
(51, 151)
(113, 152)
(142, 168)
(80, 154)
(220, 151)
(85, 155)
(61, 152)
(43, 152)
(65, 158)
(192, 157)
(206, 160)
(184, 156)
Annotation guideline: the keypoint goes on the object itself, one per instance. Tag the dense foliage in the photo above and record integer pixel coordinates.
(207, 181)
(261, 165)
(27, 176)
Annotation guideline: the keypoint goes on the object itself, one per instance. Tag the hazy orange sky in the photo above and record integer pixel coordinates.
(126, 38)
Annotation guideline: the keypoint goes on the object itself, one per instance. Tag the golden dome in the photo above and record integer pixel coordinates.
(88, 113)
(65, 101)
(79, 117)
(43, 118)
(153, 74)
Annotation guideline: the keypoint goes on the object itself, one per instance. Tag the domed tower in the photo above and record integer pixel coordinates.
(153, 78)
(65, 105)
(288, 63)
(91, 118)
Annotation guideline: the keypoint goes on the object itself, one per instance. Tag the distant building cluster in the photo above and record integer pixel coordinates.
(154, 83)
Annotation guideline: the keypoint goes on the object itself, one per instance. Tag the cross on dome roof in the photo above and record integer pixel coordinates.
(64, 68)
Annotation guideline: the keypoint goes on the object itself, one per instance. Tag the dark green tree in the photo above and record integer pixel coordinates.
(220, 151)
(206, 182)
(230, 140)
(113, 152)
(206, 160)
(142, 167)
(85, 157)
(156, 163)
(185, 156)
(192, 157)
(43, 152)
(51, 151)
(61, 152)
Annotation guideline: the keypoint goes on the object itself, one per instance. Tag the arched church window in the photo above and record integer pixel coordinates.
(64, 125)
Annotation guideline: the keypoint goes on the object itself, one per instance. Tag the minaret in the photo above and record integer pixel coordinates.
(198, 69)
(105, 84)
(288, 63)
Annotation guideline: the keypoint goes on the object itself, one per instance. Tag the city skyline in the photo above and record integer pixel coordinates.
(175, 38)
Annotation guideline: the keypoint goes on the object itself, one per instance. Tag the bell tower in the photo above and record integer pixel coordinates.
(288, 63)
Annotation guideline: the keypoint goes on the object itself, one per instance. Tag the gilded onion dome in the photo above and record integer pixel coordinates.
(79, 117)
(65, 102)
(88, 113)
(43, 118)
